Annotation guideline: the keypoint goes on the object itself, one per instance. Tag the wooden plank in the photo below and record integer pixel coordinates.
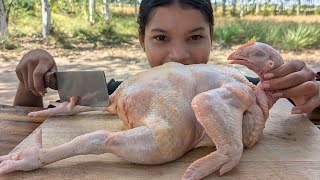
(15, 126)
(289, 149)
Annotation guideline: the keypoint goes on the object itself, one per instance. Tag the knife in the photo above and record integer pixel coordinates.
(89, 86)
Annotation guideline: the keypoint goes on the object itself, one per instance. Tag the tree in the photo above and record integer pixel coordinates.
(224, 7)
(3, 21)
(46, 18)
(107, 11)
(91, 10)
(266, 4)
(258, 7)
(136, 8)
(234, 4)
(215, 6)
(298, 7)
(281, 7)
(241, 8)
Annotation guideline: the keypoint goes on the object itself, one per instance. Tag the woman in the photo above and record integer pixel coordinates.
(170, 30)
(180, 33)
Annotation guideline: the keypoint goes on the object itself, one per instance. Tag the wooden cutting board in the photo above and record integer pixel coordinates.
(15, 126)
(289, 149)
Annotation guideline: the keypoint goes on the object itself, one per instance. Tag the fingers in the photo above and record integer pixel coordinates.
(38, 74)
(289, 80)
(309, 88)
(285, 69)
(307, 107)
(288, 75)
(31, 68)
(25, 79)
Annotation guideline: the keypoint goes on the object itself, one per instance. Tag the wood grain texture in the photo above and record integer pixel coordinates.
(289, 149)
(15, 126)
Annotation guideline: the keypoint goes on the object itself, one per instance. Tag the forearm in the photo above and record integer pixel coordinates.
(26, 98)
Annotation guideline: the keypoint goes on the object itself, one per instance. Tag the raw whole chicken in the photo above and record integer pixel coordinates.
(170, 110)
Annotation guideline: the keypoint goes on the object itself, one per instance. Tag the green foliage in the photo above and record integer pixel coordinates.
(301, 36)
(7, 43)
(71, 27)
(288, 35)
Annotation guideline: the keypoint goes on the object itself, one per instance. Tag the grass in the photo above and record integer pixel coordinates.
(71, 30)
(285, 35)
(283, 32)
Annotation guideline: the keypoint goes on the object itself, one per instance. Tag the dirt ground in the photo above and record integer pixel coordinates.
(117, 62)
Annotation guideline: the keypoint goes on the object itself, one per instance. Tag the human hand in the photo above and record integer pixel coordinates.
(32, 68)
(296, 81)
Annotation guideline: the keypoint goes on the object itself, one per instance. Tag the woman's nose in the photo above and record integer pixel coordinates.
(179, 53)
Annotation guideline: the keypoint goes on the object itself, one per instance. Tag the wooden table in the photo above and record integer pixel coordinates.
(15, 126)
(289, 149)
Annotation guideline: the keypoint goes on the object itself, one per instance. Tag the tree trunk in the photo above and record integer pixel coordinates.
(91, 11)
(258, 7)
(136, 8)
(234, 4)
(274, 10)
(281, 8)
(241, 8)
(253, 7)
(3, 21)
(305, 8)
(247, 7)
(107, 11)
(46, 18)
(266, 3)
(224, 7)
(298, 7)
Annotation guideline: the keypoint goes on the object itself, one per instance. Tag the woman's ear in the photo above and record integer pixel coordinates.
(141, 40)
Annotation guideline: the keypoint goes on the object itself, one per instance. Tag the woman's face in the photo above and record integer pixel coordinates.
(176, 34)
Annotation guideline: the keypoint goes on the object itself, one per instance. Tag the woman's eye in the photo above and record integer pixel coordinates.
(195, 37)
(161, 38)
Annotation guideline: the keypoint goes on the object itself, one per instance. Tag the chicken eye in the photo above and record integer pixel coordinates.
(259, 53)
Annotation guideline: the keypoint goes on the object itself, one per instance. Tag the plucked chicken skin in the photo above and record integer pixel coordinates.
(170, 110)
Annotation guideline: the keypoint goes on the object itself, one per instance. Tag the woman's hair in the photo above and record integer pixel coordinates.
(147, 7)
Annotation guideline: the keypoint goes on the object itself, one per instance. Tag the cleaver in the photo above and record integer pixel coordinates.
(89, 86)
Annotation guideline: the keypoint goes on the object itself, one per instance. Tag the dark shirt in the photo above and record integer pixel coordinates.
(112, 85)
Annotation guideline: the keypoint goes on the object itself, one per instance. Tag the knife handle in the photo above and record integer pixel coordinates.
(50, 80)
